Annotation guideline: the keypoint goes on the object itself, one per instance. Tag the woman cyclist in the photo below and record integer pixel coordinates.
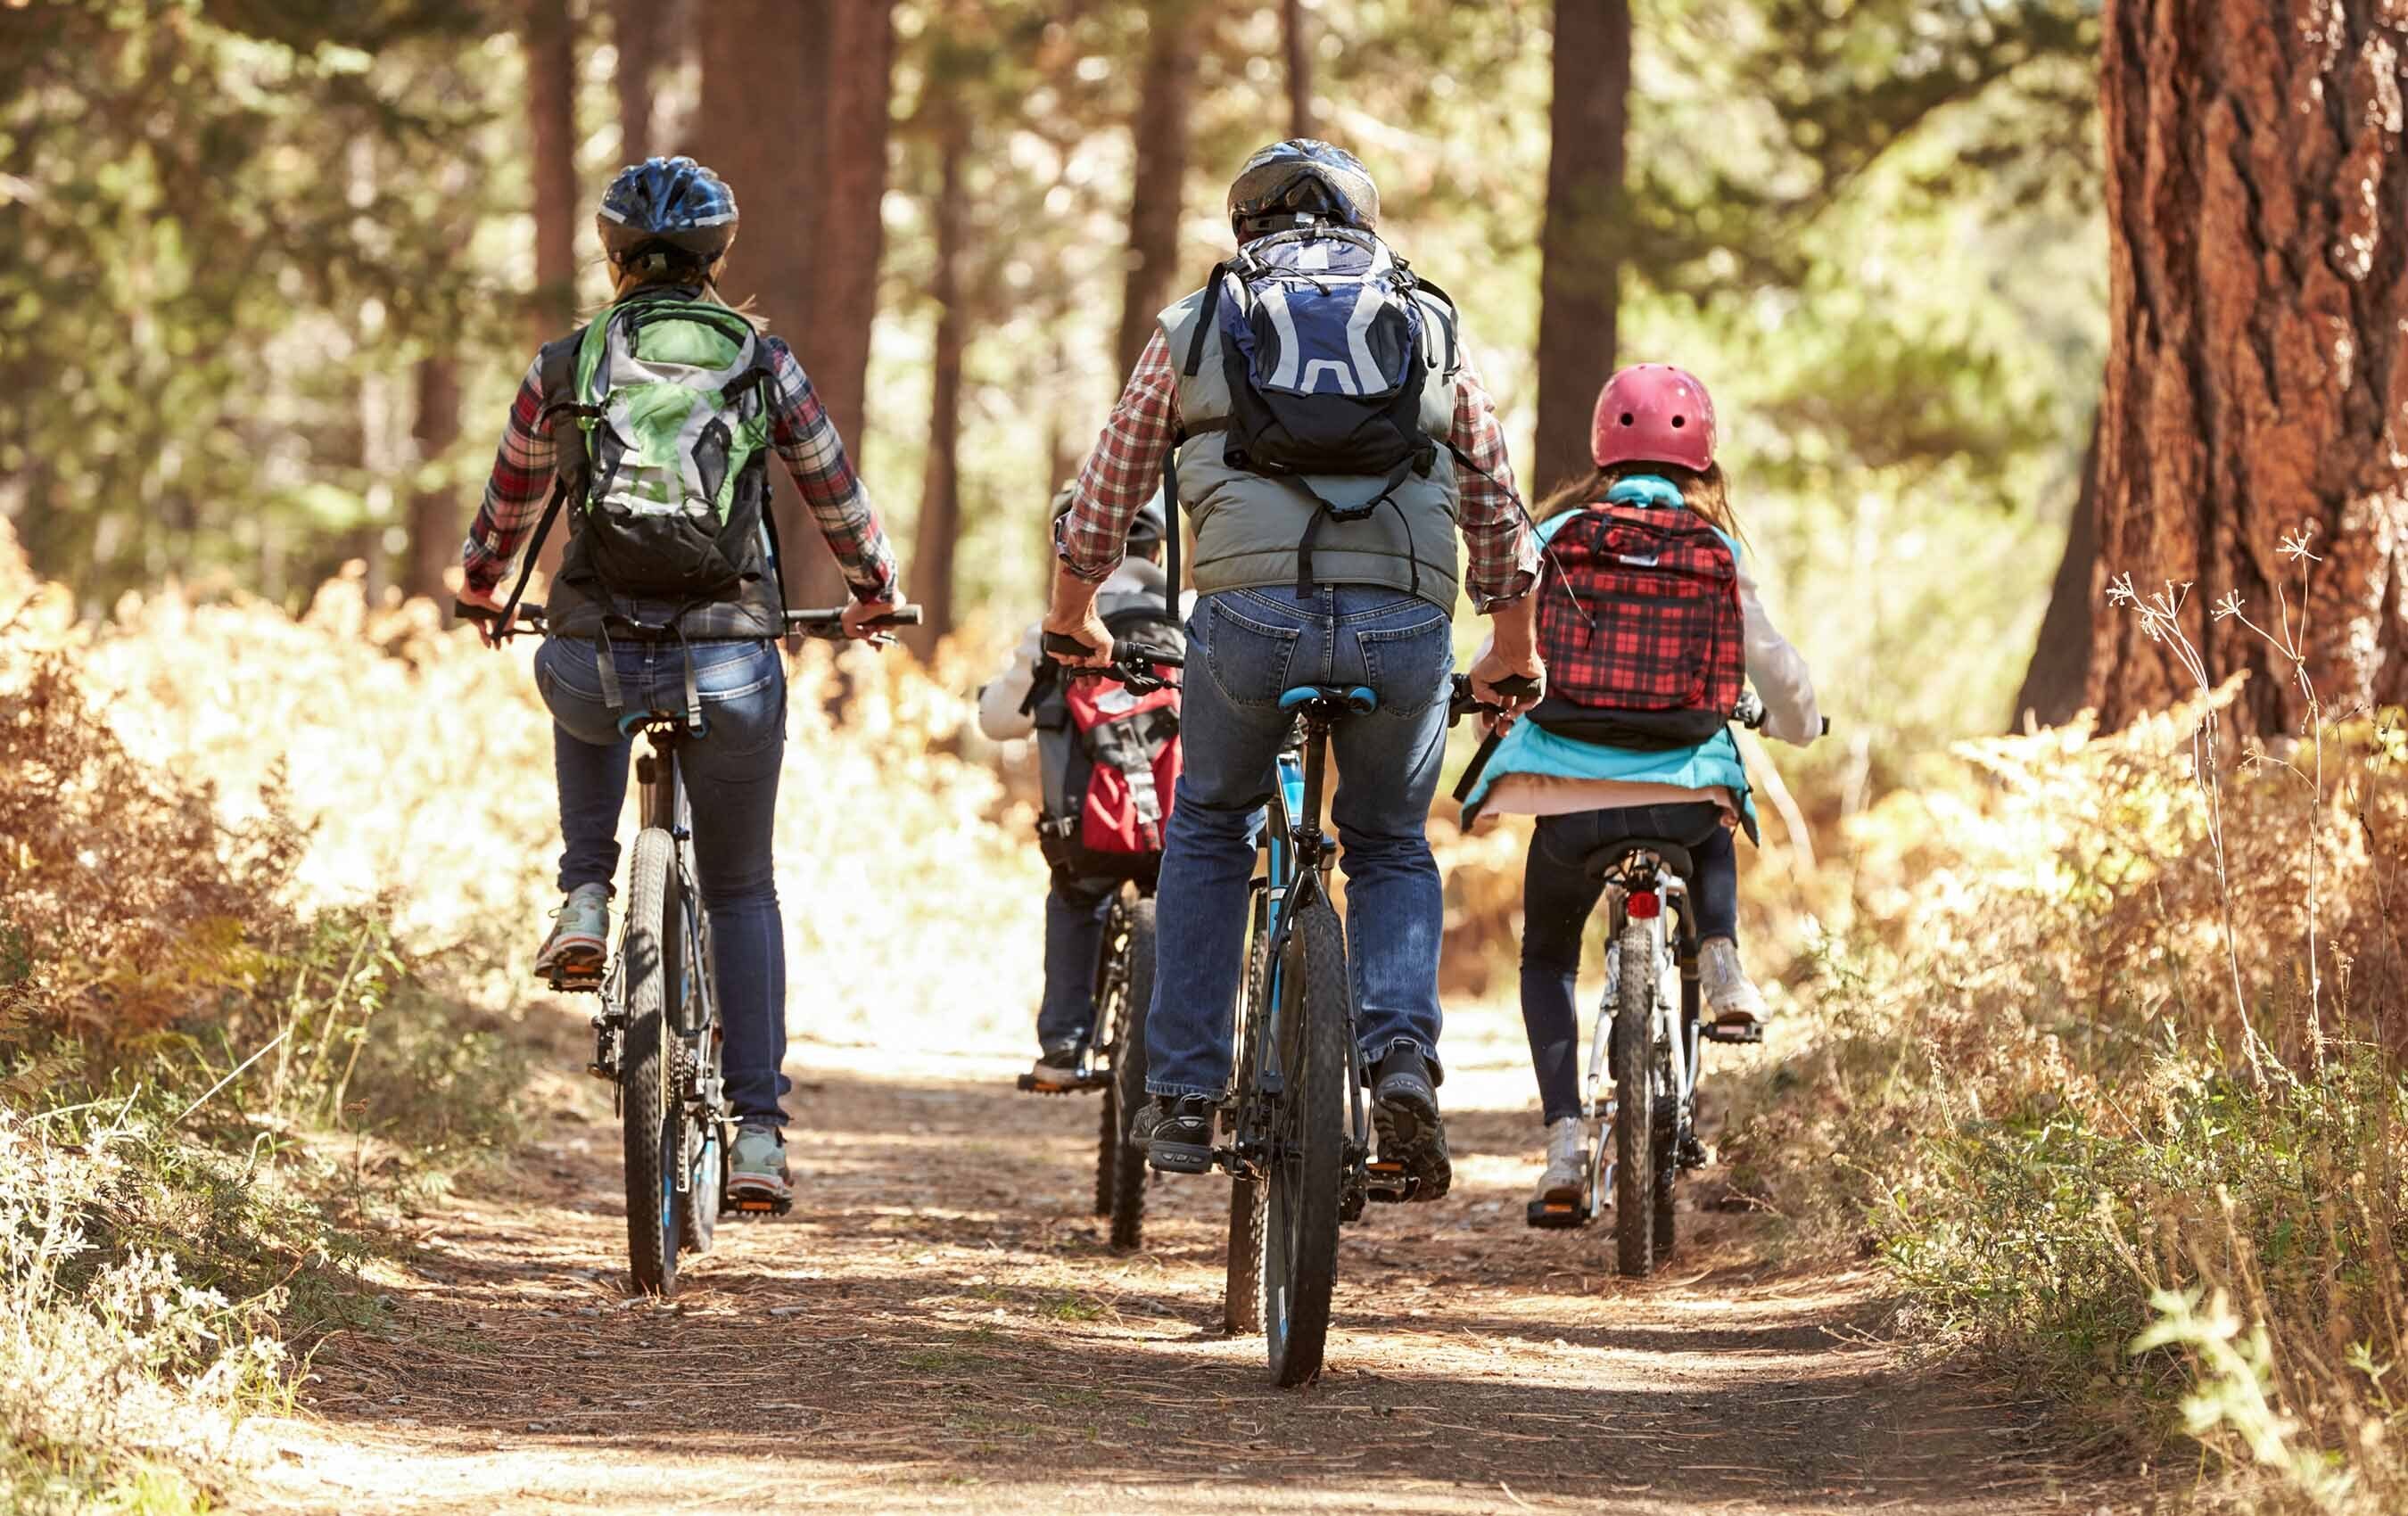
(635, 627)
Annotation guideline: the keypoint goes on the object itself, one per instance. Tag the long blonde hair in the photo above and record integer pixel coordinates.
(1703, 491)
(625, 279)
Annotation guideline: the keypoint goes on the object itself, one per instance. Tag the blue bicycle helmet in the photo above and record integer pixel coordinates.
(672, 206)
(1300, 181)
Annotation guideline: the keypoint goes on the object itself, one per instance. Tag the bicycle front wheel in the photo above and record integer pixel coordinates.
(1306, 1164)
(1634, 1104)
(1242, 1300)
(1127, 1092)
(649, 1099)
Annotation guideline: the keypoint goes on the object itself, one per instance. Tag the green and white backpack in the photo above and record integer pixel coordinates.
(673, 398)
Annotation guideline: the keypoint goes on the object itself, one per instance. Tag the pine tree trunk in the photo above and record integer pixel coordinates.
(636, 33)
(2257, 364)
(435, 516)
(1161, 133)
(2054, 681)
(1581, 246)
(1296, 35)
(850, 230)
(552, 120)
(940, 498)
(764, 70)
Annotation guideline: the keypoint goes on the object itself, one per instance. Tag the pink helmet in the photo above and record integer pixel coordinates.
(1653, 413)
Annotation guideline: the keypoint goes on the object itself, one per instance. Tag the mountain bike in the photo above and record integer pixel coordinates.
(1298, 1144)
(1113, 1058)
(1643, 1069)
(658, 1038)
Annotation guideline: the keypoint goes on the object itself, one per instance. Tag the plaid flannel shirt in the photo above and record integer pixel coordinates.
(799, 430)
(1120, 476)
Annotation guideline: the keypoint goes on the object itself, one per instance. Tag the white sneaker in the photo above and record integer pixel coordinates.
(1731, 997)
(1566, 1179)
(581, 931)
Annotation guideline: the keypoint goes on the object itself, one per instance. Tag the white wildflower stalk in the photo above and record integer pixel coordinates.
(2160, 615)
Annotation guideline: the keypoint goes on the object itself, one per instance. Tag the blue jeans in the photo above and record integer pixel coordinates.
(731, 776)
(1074, 938)
(1245, 647)
(1558, 897)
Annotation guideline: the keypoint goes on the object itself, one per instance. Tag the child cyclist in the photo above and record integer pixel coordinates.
(657, 429)
(1026, 695)
(1597, 773)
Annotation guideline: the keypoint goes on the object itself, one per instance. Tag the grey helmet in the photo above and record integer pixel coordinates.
(1300, 181)
(1146, 528)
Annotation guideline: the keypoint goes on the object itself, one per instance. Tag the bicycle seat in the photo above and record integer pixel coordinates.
(1608, 860)
(1329, 702)
(658, 720)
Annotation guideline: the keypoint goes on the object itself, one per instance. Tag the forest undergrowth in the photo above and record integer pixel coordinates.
(2105, 1066)
(2058, 1059)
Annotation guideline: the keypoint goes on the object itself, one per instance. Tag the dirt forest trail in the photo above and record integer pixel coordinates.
(940, 1327)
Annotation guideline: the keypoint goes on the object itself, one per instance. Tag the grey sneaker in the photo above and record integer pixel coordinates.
(758, 1178)
(1737, 1006)
(1567, 1172)
(1057, 1068)
(580, 933)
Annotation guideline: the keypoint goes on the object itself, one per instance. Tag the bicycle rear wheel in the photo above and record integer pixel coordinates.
(1634, 1104)
(1242, 1300)
(649, 1106)
(1306, 1165)
(1127, 1092)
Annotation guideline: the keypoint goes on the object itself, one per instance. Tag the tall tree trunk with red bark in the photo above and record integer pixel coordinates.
(1161, 133)
(436, 518)
(2059, 672)
(1579, 278)
(552, 122)
(636, 33)
(2258, 363)
(1296, 37)
(940, 499)
(763, 93)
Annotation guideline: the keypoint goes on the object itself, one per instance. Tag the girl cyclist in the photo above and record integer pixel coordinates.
(643, 618)
(1653, 440)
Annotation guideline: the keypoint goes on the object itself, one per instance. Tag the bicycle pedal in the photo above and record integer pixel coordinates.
(602, 1072)
(576, 983)
(1737, 1038)
(1557, 1215)
(1388, 1183)
(758, 1206)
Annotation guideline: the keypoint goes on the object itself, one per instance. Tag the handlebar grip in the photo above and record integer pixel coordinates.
(1516, 687)
(1067, 645)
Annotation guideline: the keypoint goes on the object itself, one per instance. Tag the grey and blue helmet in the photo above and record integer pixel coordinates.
(1301, 181)
(672, 206)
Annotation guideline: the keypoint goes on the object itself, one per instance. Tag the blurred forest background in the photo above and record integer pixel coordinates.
(276, 267)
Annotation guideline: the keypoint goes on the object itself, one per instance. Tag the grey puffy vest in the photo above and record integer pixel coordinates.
(1249, 525)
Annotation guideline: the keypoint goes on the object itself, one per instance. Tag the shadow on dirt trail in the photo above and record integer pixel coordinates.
(940, 1327)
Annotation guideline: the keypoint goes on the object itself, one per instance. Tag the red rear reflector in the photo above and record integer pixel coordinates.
(1645, 906)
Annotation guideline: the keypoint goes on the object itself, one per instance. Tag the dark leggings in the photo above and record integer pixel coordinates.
(1558, 897)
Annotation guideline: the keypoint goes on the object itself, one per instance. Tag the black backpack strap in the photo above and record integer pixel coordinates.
(535, 548)
(1208, 315)
(1324, 510)
(1170, 531)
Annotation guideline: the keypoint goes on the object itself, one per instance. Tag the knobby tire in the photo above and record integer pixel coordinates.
(1127, 1092)
(1634, 1103)
(1242, 1300)
(648, 1101)
(1307, 1166)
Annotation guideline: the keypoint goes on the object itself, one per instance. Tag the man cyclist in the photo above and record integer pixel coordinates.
(614, 647)
(1375, 610)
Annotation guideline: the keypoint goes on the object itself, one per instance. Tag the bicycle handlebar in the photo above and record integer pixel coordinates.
(1463, 703)
(1750, 712)
(828, 626)
(527, 622)
(1133, 668)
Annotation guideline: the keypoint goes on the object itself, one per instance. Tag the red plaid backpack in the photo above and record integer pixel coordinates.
(1640, 623)
(1109, 757)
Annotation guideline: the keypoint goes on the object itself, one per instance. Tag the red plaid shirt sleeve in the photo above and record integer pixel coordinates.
(514, 494)
(1502, 549)
(815, 456)
(1122, 472)
(799, 430)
